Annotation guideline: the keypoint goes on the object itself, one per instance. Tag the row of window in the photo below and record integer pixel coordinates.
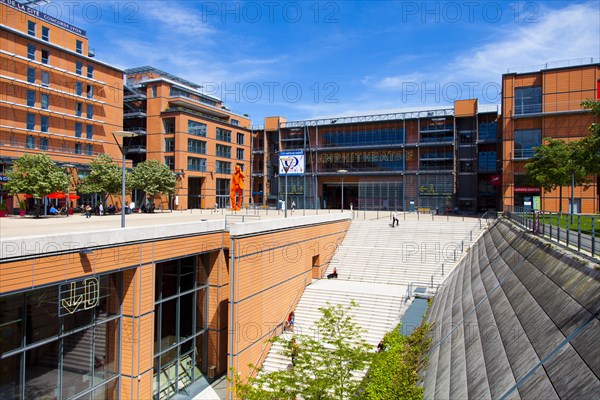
(199, 147)
(199, 129)
(45, 75)
(32, 31)
(45, 123)
(45, 104)
(42, 144)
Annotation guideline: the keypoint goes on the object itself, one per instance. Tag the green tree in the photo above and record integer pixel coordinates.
(324, 362)
(37, 175)
(394, 371)
(104, 177)
(557, 164)
(590, 145)
(153, 178)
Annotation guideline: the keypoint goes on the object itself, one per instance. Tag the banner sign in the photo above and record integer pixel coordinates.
(78, 296)
(292, 159)
(527, 189)
(34, 12)
(364, 156)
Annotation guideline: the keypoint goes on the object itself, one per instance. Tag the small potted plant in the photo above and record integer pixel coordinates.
(22, 208)
(3, 210)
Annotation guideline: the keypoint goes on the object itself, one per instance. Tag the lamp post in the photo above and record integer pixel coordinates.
(286, 163)
(342, 172)
(123, 134)
(69, 169)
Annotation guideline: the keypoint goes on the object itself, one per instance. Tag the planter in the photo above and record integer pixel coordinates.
(22, 213)
(2, 213)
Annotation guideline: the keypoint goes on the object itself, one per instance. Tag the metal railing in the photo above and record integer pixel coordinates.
(580, 233)
(465, 242)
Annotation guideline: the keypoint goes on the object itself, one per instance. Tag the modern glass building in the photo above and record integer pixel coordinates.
(434, 160)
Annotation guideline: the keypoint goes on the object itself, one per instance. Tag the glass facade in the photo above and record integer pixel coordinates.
(361, 161)
(356, 137)
(525, 140)
(54, 347)
(528, 100)
(180, 324)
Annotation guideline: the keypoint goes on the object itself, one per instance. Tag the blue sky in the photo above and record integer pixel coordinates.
(307, 59)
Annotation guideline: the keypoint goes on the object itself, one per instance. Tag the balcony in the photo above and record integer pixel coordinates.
(548, 108)
(140, 130)
(136, 149)
(135, 114)
(45, 148)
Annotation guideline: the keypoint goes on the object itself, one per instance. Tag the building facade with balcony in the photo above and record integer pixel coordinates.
(546, 103)
(440, 159)
(193, 133)
(55, 97)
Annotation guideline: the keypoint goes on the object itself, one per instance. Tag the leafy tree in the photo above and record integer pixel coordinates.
(37, 175)
(590, 145)
(323, 366)
(153, 178)
(555, 164)
(104, 177)
(394, 371)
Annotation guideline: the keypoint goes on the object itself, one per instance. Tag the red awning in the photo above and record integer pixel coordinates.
(57, 195)
(74, 197)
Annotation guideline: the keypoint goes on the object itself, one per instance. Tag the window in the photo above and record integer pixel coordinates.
(31, 52)
(44, 122)
(196, 128)
(90, 111)
(78, 67)
(89, 149)
(43, 143)
(45, 56)
(45, 101)
(31, 122)
(170, 144)
(90, 91)
(223, 151)
(528, 100)
(90, 71)
(196, 146)
(169, 125)
(154, 91)
(78, 129)
(525, 141)
(223, 167)
(89, 131)
(30, 143)
(31, 98)
(78, 148)
(30, 75)
(79, 46)
(196, 164)
(45, 78)
(240, 138)
(45, 33)
(170, 162)
(78, 109)
(31, 28)
(223, 135)
(240, 154)
(78, 88)
(234, 122)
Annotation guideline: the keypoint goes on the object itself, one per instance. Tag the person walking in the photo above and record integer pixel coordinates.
(88, 211)
(394, 219)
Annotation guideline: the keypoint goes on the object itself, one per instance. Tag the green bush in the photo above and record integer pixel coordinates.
(394, 371)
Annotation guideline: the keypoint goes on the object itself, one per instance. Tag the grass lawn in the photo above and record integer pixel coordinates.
(565, 222)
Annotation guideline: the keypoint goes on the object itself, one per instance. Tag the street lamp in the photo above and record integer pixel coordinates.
(342, 172)
(123, 134)
(69, 169)
(286, 163)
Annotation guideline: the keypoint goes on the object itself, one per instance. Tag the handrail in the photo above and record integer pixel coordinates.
(462, 246)
(276, 328)
(242, 216)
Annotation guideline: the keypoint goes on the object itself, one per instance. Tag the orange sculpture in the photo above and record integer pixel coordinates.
(237, 187)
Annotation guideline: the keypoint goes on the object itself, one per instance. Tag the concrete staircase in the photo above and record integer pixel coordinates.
(373, 251)
(379, 311)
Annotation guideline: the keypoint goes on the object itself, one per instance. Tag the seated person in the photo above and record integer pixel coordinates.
(53, 210)
(151, 207)
(143, 208)
(111, 209)
(333, 275)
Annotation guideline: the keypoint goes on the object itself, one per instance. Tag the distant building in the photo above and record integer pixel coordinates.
(193, 133)
(55, 97)
(546, 103)
(436, 160)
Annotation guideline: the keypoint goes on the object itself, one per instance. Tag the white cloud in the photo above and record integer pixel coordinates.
(177, 19)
